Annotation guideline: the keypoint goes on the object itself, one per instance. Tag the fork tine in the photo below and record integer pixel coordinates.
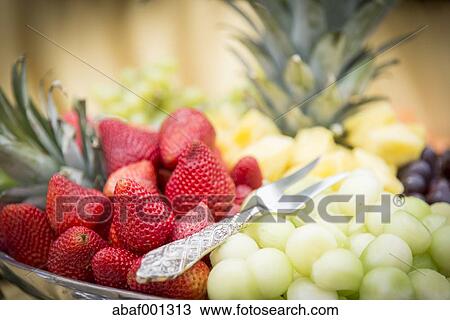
(319, 187)
(286, 182)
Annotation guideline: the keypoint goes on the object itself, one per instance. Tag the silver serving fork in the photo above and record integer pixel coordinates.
(172, 259)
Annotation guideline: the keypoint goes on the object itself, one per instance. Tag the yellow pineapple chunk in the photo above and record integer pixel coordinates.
(273, 153)
(335, 161)
(375, 115)
(311, 143)
(253, 126)
(397, 143)
(385, 173)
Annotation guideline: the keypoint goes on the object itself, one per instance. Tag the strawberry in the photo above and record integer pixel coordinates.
(247, 171)
(179, 129)
(123, 144)
(192, 222)
(200, 176)
(71, 254)
(142, 172)
(143, 221)
(112, 236)
(26, 234)
(242, 192)
(69, 204)
(111, 265)
(190, 285)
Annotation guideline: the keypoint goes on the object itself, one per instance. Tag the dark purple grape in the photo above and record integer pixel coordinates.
(414, 183)
(420, 167)
(417, 195)
(439, 191)
(445, 164)
(429, 156)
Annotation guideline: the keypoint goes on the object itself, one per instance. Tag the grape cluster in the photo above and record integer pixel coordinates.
(407, 258)
(429, 177)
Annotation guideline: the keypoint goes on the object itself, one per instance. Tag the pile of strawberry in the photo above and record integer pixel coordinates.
(162, 186)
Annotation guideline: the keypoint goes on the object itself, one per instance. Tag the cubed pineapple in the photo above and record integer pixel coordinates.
(375, 115)
(335, 161)
(385, 173)
(397, 143)
(311, 143)
(273, 153)
(253, 126)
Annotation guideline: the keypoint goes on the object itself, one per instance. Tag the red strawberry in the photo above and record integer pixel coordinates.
(192, 222)
(26, 234)
(69, 204)
(144, 221)
(71, 254)
(111, 265)
(142, 172)
(242, 191)
(190, 285)
(123, 144)
(247, 171)
(200, 176)
(179, 129)
(112, 236)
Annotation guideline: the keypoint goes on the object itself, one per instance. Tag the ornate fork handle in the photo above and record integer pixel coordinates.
(171, 260)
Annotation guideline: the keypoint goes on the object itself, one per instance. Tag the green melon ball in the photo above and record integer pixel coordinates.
(386, 283)
(237, 246)
(416, 207)
(440, 249)
(430, 285)
(271, 270)
(305, 289)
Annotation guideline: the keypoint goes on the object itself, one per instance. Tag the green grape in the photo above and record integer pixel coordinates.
(268, 233)
(410, 229)
(416, 207)
(440, 249)
(306, 244)
(424, 261)
(442, 209)
(387, 250)
(434, 222)
(271, 270)
(305, 289)
(386, 283)
(237, 246)
(359, 242)
(361, 182)
(430, 285)
(231, 279)
(338, 269)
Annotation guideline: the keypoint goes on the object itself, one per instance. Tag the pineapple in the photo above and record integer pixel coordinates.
(34, 146)
(312, 62)
(272, 152)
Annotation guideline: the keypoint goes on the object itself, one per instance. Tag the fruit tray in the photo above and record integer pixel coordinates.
(45, 285)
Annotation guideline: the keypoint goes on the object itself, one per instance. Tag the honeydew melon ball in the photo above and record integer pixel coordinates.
(440, 249)
(268, 232)
(386, 283)
(387, 250)
(238, 245)
(359, 242)
(441, 208)
(424, 261)
(410, 229)
(416, 207)
(271, 270)
(355, 227)
(305, 289)
(232, 279)
(338, 269)
(306, 244)
(341, 238)
(434, 222)
(360, 182)
(373, 223)
(430, 285)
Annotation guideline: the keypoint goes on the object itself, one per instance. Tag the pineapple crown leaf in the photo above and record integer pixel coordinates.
(35, 146)
(313, 56)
